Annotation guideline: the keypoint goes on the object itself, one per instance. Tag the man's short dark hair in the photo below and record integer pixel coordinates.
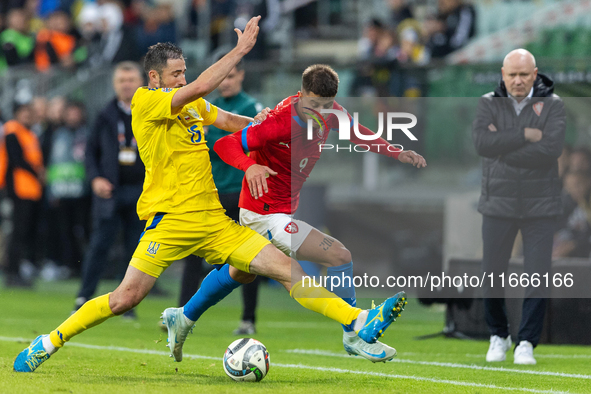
(71, 103)
(20, 106)
(321, 80)
(158, 55)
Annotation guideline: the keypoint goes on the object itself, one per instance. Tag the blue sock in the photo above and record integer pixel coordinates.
(344, 288)
(312, 269)
(215, 287)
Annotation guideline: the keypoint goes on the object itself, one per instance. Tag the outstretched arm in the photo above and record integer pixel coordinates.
(231, 122)
(232, 148)
(214, 75)
(383, 147)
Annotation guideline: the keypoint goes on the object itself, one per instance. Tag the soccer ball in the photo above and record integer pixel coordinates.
(246, 360)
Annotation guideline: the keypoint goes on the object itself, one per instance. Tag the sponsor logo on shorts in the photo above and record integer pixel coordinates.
(291, 228)
(153, 247)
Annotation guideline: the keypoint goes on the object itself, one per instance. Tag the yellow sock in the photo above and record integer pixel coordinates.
(320, 300)
(90, 314)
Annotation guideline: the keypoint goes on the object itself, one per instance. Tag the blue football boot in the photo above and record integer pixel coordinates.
(29, 359)
(381, 316)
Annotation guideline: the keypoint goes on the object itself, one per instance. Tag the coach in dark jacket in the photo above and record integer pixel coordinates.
(116, 172)
(519, 131)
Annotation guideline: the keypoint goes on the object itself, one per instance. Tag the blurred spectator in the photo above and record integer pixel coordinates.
(270, 12)
(157, 23)
(116, 173)
(405, 80)
(21, 172)
(573, 238)
(17, 45)
(400, 11)
(451, 29)
(56, 44)
(7, 5)
(368, 43)
(48, 7)
(39, 107)
(49, 238)
(377, 51)
(54, 118)
(580, 159)
(108, 39)
(221, 25)
(411, 50)
(67, 189)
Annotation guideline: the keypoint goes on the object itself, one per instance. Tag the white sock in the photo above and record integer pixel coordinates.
(48, 346)
(360, 321)
(350, 334)
(187, 320)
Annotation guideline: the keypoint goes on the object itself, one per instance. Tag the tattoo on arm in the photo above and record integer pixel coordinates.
(326, 243)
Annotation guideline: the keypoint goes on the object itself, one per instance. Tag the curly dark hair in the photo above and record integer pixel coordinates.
(158, 55)
(321, 80)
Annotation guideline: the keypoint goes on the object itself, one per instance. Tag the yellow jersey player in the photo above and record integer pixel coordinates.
(184, 215)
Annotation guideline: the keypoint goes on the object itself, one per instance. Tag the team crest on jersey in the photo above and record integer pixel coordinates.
(153, 247)
(193, 113)
(320, 132)
(538, 107)
(291, 228)
(166, 90)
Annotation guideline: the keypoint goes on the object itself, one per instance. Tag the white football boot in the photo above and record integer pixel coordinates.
(374, 352)
(498, 348)
(178, 329)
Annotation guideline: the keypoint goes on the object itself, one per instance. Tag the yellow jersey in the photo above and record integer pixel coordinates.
(172, 146)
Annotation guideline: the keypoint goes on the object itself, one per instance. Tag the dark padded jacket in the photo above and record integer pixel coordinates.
(520, 178)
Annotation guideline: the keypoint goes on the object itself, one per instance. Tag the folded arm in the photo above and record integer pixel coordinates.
(544, 152)
(489, 143)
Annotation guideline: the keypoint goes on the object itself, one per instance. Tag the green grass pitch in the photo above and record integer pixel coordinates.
(305, 350)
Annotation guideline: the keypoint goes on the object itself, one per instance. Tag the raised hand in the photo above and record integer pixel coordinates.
(248, 37)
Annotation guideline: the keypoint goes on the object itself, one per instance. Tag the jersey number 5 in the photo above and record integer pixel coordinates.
(195, 133)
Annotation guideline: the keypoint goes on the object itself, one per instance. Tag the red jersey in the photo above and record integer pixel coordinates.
(281, 143)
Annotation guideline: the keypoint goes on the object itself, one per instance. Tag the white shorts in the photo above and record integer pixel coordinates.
(285, 233)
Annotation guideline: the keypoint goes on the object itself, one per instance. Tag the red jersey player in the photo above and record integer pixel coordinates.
(280, 146)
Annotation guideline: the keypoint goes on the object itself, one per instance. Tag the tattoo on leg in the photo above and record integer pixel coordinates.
(326, 243)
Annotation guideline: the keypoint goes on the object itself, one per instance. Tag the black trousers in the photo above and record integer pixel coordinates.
(104, 234)
(498, 235)
(194, 272)
(71, 218)
(23, 240)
